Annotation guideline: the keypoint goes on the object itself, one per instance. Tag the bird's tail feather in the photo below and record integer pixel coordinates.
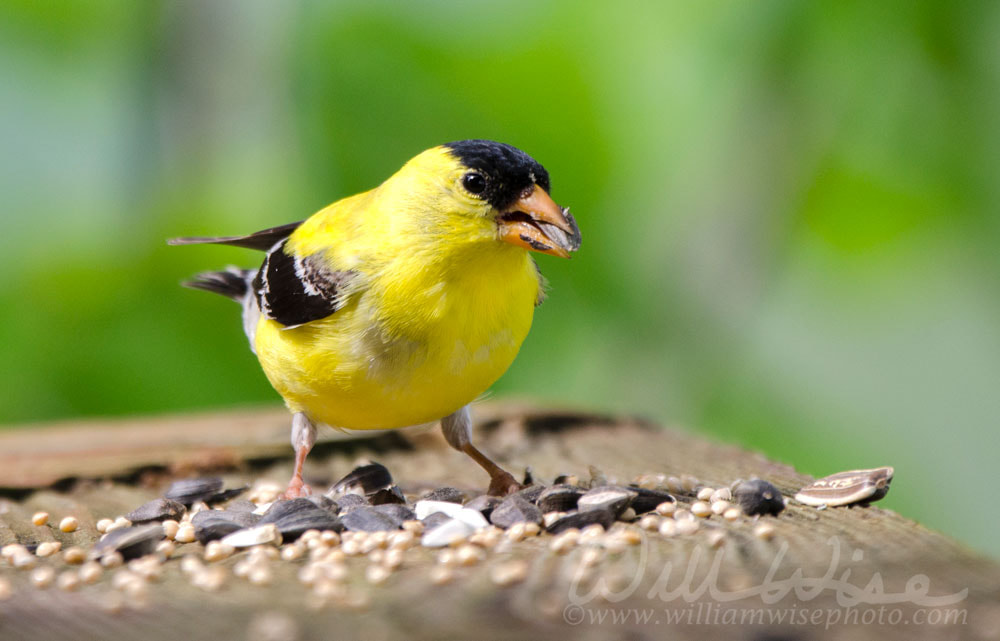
(233, 282)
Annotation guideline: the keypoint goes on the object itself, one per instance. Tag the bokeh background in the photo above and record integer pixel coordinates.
(789, 209)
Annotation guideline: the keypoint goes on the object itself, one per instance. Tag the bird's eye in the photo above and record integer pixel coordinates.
(474, 182)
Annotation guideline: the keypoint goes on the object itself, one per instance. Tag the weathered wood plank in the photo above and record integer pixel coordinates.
(837, 553)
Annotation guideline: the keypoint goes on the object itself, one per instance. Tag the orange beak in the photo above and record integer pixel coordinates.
(537, 223)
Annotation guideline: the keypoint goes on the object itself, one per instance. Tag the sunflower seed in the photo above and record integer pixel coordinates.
(387, 496)
(530, 493)
(608, 497)
(559, 498)
(369, 519)
(266, 534)
(188, 491)
(324, 502)
(845, 488)
(156, 510)
(365, 479)
(399, 512)
(483, 504)
(447, 494)
(448, 532)
(757, 496)
(294, 524)
(579, 520)
(348, 502)
(129, 542)
(515, 509)
(210, 525)
(647, 499)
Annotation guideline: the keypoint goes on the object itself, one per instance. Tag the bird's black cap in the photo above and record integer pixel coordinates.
(509, 172)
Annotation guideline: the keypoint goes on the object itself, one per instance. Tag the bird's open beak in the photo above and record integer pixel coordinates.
(537, 223)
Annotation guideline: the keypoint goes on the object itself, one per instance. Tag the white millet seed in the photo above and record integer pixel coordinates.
(532, 529)
(469, 554)
(509, 573)
(112, 560)
(704, 494)
(649, 522)
(75, 555)
(42, 577)
(209, 579)
(217, 551)
(668, 527)
(185, 533)
(292, 552)
(331, 538)
(68, 581)
(687, 526)
(441, 574)
(6, 591)
(722, 494)
(191, 564)
(11, 550)
(103, 525)
(40, 518)
(516, 532)
(667, 508)
(90, 572)
(48, 548)
(732, 514)
(24, 561)
(701, 509)
(764, 531)
(376, 574)
(715, 538)
(683, 515)
(69, 524)
(260, 575)
(720, 506)
(170, 528)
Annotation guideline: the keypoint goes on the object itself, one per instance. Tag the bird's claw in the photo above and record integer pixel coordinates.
(503, 484)
(297, 489)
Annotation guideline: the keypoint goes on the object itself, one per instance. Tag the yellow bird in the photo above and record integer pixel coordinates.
(401, 305)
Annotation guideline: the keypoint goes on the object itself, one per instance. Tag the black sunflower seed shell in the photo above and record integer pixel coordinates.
(579, 520)
(389, 495)
(609, 497)
(363, 480)
(559, 498)
(188, 491)
(484, 504)
(646, 500)
(515, 509)
(447, 494)
(758, 496)
(157, 510)
(130, 542)
(370, 519)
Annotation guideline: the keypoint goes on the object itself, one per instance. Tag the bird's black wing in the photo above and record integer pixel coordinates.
(295, 290)
(262, 240)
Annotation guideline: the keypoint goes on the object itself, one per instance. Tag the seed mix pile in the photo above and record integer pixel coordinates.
(365, 516)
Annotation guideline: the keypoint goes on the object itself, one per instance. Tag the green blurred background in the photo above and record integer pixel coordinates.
(789, 209)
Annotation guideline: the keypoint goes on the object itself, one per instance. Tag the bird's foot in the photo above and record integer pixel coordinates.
(297, 489)
(502, 484)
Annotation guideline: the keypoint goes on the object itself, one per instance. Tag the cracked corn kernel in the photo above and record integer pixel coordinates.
(40, 518)
(69, 524)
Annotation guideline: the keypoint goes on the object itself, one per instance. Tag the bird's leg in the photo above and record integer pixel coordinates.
(303, 439)
(457, 429)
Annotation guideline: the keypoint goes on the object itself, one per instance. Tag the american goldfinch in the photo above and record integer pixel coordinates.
(401, 305)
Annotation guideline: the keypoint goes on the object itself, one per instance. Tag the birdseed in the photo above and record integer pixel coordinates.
(69, 524)
(40, 518)
(846, 488)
